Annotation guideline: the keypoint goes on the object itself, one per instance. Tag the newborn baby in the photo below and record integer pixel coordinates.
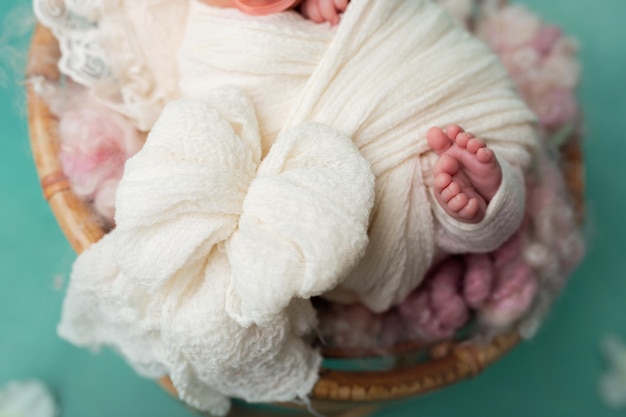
(318, 11)
(336, 164)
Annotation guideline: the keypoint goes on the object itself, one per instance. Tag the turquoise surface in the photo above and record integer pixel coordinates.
(556, 374)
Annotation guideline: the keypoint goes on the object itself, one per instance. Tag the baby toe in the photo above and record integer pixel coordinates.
(446, 164)
(442, 181)
(471, 210)
(462, 139)
(341, 5)
(454, 130)
(474, 144)
(452, 190)
(438, 140)
(485, 155)
(458, 202)
(311, 10)
(329, 12)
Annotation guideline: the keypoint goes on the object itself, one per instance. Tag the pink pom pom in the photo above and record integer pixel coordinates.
(95, 144)
(540, 60)
(436, 310)
(479, 277)
(514, 292)
(545, 39)
(556, 108)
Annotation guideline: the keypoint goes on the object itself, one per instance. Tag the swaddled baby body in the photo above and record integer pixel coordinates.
(335, 164)
(439, 189)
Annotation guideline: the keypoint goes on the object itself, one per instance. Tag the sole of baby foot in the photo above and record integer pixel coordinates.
(467, 174)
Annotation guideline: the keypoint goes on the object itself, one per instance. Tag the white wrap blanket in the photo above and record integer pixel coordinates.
(246, 202)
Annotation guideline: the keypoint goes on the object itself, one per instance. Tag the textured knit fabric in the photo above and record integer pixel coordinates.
(202, 221)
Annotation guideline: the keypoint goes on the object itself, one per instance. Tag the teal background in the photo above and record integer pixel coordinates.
(556, 374)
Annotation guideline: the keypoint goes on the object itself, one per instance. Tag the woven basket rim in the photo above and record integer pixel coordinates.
(450, 362)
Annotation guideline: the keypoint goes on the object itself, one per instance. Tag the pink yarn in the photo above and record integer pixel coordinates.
(95, 143)
(513, 297)
(500, 287)
(554, 224)
(479, 279)
(516, 283)
(437, 309)
(540, 59)
(514, 290)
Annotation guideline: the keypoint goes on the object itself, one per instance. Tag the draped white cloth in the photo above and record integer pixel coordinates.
(246, 202)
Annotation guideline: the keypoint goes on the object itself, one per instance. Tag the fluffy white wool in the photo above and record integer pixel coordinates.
(204, 225)
(384, 76)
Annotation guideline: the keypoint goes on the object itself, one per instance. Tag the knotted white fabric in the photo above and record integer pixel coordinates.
(390, 71)
(205, 226)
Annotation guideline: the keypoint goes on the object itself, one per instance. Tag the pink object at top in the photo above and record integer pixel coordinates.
(264, 7)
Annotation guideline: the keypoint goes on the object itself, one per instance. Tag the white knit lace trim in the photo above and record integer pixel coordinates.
(74, 23)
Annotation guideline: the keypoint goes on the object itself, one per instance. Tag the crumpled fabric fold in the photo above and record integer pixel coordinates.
(205, 277)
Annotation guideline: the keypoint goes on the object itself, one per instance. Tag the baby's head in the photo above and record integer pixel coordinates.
(256, 7)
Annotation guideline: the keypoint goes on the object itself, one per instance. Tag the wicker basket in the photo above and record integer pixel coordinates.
(335, 391)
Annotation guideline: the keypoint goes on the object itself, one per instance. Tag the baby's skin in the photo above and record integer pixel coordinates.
(319, 11)
(467, 174)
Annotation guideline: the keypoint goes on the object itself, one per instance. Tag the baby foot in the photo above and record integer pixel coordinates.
(467, 174)
(321, 11)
